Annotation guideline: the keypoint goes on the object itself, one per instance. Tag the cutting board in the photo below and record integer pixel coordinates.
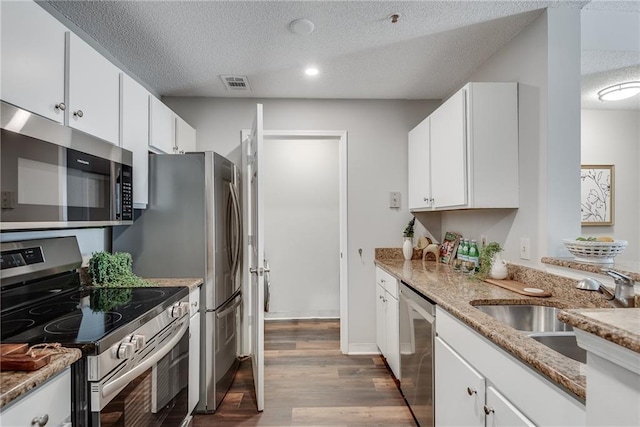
(13, 357)
(520, 288)
(13, 348)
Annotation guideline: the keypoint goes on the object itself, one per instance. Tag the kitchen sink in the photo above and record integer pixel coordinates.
(529, 318)
(563, 343)
(541, 323)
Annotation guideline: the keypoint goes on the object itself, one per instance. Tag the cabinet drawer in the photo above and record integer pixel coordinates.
(194, 301)
(387, 281)
(53, 398)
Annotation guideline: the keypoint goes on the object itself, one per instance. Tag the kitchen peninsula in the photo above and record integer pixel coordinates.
(456, 295)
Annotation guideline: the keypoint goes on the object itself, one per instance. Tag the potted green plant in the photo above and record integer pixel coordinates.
(490, 255)
(407, 246)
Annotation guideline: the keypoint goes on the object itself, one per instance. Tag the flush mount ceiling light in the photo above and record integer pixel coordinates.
(301, 26)
(311, 71)
(619, 91)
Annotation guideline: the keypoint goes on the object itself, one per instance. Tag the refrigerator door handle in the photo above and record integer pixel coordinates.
(231, 249)
(223, 313)
(238, 230)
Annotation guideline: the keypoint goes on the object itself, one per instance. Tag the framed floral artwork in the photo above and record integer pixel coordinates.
(597, 194)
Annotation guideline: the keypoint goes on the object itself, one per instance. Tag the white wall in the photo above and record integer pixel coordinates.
(612, 137)
(542, 57)
(377, 164)
(302, 227)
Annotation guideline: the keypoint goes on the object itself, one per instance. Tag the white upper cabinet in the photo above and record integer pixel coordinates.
(449, 154)
(94, 92)
(161, 127)
(135, 136)
(33, 47)
(419, 176)
(472, 153)
(185, 137)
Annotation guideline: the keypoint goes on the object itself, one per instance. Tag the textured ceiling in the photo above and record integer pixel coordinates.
(180, 48)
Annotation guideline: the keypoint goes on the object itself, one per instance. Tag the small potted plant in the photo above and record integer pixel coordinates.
(490, 263)
(407, 246)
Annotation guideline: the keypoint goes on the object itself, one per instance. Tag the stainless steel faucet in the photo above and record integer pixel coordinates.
(624, 295)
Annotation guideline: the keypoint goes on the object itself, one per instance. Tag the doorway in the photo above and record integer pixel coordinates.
(325, 142)
(302, 227)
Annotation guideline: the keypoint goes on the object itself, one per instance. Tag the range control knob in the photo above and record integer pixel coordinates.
(179, 309)
(125, 350)
(138, 341)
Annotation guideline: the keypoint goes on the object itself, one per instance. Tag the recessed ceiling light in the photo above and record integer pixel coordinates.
(301, 26)
(311, 71)
(619, 91)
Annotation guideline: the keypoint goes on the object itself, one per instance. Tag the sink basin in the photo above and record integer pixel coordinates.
(565, 344)
(528, 318)
(541, 324)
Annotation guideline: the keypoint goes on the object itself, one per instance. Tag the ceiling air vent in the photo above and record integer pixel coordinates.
(236, 82)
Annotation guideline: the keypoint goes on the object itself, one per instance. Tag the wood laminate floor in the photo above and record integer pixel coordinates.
(309, 382)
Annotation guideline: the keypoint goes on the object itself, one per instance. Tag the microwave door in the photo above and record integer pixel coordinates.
(88, 187)
(33, 180)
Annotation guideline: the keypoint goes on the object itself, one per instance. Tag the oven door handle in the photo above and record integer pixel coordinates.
(119, 383)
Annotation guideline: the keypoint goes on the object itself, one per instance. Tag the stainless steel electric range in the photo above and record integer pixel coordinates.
(135, 341)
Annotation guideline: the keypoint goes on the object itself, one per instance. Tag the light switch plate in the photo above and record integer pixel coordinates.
(394, 199)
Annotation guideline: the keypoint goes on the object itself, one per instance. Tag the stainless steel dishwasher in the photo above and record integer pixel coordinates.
(417, 331)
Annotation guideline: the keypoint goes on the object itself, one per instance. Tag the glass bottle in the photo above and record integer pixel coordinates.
(474, 256)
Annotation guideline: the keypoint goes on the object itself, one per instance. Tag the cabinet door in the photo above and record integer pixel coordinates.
(460, 389)
(194, 361)
(392, 333)
(161, 127)
(135, 136)
(381, 329)
(185, 136)
(419, 194)
(501, 413)
(33, 47)
(51, 400)
(449, 153)
(94, 92)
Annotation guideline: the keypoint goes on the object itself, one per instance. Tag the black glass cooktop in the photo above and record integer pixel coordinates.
(85, 317)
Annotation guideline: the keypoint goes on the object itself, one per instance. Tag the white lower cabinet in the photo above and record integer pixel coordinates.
(194, 350)
(388, 319)
(477, 383)
(460, 389)
(48, 404)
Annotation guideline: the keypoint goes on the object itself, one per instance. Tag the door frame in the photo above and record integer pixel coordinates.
(341, 136)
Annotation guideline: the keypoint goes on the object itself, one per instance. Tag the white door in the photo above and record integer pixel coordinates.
(255, 210)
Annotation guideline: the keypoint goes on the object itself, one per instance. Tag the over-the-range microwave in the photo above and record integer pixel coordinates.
(54, 176)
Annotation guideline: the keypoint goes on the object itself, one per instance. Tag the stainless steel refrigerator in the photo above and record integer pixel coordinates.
(192, 228)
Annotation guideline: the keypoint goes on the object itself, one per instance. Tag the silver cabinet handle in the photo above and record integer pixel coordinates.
(40, 421)
(78, 113)
(61, 106)
(471, 391)
(425, 199)
(488, 410)
(195, 303)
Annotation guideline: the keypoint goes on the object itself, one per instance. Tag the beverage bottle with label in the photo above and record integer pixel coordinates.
(473, 256)
(463, 253)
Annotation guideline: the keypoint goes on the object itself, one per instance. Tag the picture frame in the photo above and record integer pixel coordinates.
(597, 191)
(449, 247)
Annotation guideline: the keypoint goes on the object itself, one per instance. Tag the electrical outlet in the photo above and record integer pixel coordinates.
(394, 199)
(524, 248)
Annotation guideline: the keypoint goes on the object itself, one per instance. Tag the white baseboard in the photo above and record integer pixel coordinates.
(363, 348)
(295, 315)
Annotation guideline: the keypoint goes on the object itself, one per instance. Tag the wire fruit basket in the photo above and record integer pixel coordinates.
(595, 252)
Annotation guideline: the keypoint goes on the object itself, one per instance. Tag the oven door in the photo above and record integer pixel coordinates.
(154, 392)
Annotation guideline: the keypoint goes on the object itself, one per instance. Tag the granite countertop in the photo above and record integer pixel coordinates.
(191, 283)
(620, 326)
(457, 293)
(631, 269)
(14, 384)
